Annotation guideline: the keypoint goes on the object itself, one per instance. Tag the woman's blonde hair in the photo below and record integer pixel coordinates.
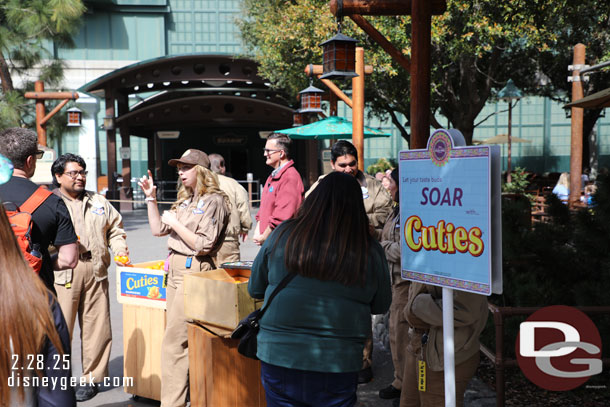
(564, 179)
(25, 315)
(207, 183)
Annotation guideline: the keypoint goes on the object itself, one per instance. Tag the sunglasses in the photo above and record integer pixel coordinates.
(39, 154)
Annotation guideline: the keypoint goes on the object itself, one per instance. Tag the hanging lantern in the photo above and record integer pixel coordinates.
(339, 57)
(297, 118)
(74, 117)
(311, 99)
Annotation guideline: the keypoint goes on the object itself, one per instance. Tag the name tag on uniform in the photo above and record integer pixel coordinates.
(199, 209)
(365, 192)
(98, 210)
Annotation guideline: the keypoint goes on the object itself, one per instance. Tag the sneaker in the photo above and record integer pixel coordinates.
(365, 375)
(86, 392)
(389, 392)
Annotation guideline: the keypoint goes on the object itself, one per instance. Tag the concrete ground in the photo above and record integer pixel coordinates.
(145, 247)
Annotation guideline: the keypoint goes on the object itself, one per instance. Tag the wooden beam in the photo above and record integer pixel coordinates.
(40, 113)
(420, 74)
(312, 69)
(334, 89)
(41, 94)
(382, 41)
(52, 112)
(381, 7)
(576, 125)
(358, 107)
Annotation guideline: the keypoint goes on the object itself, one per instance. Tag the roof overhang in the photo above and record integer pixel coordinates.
(192, 71)
(207, 111)
(597, 100)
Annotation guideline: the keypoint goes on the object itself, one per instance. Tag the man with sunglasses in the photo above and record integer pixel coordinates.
(283, 191)
(83, 290)
(51, 220)
(377, 204)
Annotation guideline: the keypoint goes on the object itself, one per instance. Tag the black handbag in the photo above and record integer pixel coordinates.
(247, 329)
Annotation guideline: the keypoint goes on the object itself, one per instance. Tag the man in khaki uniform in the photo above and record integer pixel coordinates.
(377, 204)
(377, 200)
(240, 220)
(83, 291)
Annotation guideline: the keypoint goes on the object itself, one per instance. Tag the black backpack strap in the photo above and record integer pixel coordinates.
(279, 288)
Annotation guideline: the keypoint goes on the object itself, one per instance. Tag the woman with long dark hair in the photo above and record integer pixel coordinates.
(311, 339)
(35, 358)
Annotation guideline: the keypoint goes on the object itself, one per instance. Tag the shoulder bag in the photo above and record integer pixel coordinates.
(247, 329)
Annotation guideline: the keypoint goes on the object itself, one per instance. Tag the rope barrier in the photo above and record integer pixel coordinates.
(159, 202)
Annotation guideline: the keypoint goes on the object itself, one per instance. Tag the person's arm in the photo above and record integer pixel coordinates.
(391, 248)
(260, 239)
(383, 297)
(243, 207)
(150, 191)
(259, 275)
(288, 198)
(67, 257)
(115, 235)
(382, 208)
(430, 310)
(188, 237)
(209, 228)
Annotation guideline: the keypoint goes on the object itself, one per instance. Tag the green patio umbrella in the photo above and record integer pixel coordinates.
(330, 128)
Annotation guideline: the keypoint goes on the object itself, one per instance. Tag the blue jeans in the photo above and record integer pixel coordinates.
(303, 388)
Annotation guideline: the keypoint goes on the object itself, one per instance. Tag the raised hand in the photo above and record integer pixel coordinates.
(148, 186)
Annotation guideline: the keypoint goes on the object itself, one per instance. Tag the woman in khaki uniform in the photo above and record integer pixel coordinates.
(398, 326)
(196, 225)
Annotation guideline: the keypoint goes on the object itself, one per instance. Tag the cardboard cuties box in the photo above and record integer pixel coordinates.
(142, 284)
(219, 297)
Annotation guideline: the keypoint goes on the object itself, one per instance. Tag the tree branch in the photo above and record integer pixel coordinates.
(5, 75)
(400, 127)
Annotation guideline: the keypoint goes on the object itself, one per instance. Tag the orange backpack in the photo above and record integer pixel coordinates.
(21, 222)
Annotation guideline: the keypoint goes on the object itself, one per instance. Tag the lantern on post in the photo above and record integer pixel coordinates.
(75, 116)
(297, 118)
(339, 57)
(311, 99)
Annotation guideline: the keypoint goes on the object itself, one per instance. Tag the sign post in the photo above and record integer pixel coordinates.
(450, 214)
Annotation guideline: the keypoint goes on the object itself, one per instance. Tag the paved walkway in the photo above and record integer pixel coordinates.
(145, 247)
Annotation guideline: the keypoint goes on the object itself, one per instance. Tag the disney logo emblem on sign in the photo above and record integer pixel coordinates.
(440, 148)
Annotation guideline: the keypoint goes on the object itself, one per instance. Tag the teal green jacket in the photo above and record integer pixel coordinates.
(312, 324)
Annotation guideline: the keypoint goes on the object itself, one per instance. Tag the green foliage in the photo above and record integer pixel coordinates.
(27, 29)
(382, 165)
(476, 47)
(565, 261)
(518, 183)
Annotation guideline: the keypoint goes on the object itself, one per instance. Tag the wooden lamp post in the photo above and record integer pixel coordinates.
(40, 96)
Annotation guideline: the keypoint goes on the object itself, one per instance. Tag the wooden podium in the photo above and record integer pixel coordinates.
(219, 375)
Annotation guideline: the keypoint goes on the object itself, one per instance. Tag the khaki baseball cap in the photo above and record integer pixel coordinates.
(192, 156)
